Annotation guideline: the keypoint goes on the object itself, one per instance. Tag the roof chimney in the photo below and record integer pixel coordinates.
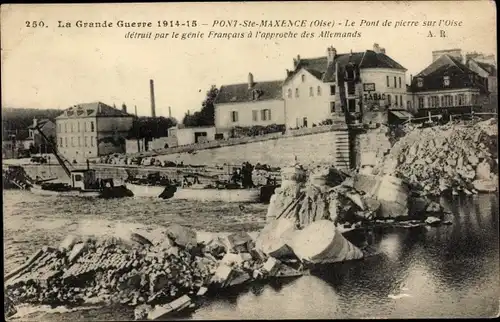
(152, 92)
(35, 122)
(376, 48)
(250, 80)
(331, 53)
(169, 112)
(124, 108)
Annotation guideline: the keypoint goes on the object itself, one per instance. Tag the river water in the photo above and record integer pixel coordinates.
(447, 271)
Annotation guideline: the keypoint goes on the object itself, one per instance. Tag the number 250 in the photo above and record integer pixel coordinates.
(34, 24)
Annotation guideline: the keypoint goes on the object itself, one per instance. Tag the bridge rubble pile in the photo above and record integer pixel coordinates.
(167, 271)
(453, 158)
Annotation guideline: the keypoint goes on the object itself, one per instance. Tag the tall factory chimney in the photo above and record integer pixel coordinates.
(152, 90)
(169, 112)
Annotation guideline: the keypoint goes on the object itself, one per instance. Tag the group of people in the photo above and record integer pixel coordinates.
(243, 175)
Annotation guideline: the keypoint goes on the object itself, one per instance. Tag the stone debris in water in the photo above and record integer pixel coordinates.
(449, 158)
(161, 275)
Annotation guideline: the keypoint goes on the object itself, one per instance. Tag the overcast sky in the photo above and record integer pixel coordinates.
(56, 68)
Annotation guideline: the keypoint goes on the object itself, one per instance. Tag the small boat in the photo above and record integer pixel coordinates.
(84, 184)
(252, 195)
(72, 192)
(145, 190)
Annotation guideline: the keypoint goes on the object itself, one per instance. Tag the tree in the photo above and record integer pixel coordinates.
(206, 116)
(151, 127)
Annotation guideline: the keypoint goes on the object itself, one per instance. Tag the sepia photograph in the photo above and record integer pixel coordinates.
(250, 160)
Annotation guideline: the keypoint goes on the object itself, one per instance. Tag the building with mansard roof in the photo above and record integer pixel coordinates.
(90, 130)
(447, 84)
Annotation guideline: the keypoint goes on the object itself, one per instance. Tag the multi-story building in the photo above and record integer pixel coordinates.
(249, 104)
(91, 130)
(328, 87)
(447, 84)
(485, 66)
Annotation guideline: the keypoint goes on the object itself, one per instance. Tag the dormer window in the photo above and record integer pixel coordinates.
(303, 78)
(446, 81)
(420, 82)
(296, 92)
(289, 93)
(349, 72)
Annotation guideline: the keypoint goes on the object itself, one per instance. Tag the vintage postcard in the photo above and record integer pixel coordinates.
(250, 160)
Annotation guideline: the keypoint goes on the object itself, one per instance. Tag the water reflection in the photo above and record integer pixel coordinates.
(446, 271)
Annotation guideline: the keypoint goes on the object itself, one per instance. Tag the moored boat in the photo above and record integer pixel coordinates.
(39, 190)
(145, 190)
(251, 195)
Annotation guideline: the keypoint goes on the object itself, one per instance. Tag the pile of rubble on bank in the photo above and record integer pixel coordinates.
(165, 273)
(455, 157)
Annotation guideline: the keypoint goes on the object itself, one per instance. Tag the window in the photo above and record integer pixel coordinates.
(395, 100)
(91, 141)
(79, 141)
(60, 142)
(319, 91)
(71, 127)
(304, 122)
(401, 100)
(234, 116)
(332, 107)
(461, 99)
(447, 100)
(311, 91)
(420, 82)
(433, 101)
(303, 78)
(66, 142)
(352, 105)
(296, 92)
(72, 141)
(91, 126)
(59, 128)
(332, 89)
(389, 100)
(78, 177)
(86, 141)
(265, 115)
(351, 90)
(446, 81)
(395, 82)
(387, 80)
(399, 82)
(456, 100)
(255, 116)
(420, 102)
(289, 93)
(78, 126)
(65, 127)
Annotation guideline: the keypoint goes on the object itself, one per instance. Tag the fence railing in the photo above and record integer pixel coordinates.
(452, 116)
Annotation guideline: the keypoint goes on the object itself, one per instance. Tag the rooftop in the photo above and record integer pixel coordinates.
(40, 123)
(320, 68)
(259, 91)
(433, 76)
(95, 109)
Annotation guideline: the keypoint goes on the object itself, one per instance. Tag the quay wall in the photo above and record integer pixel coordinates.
(331, 147)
